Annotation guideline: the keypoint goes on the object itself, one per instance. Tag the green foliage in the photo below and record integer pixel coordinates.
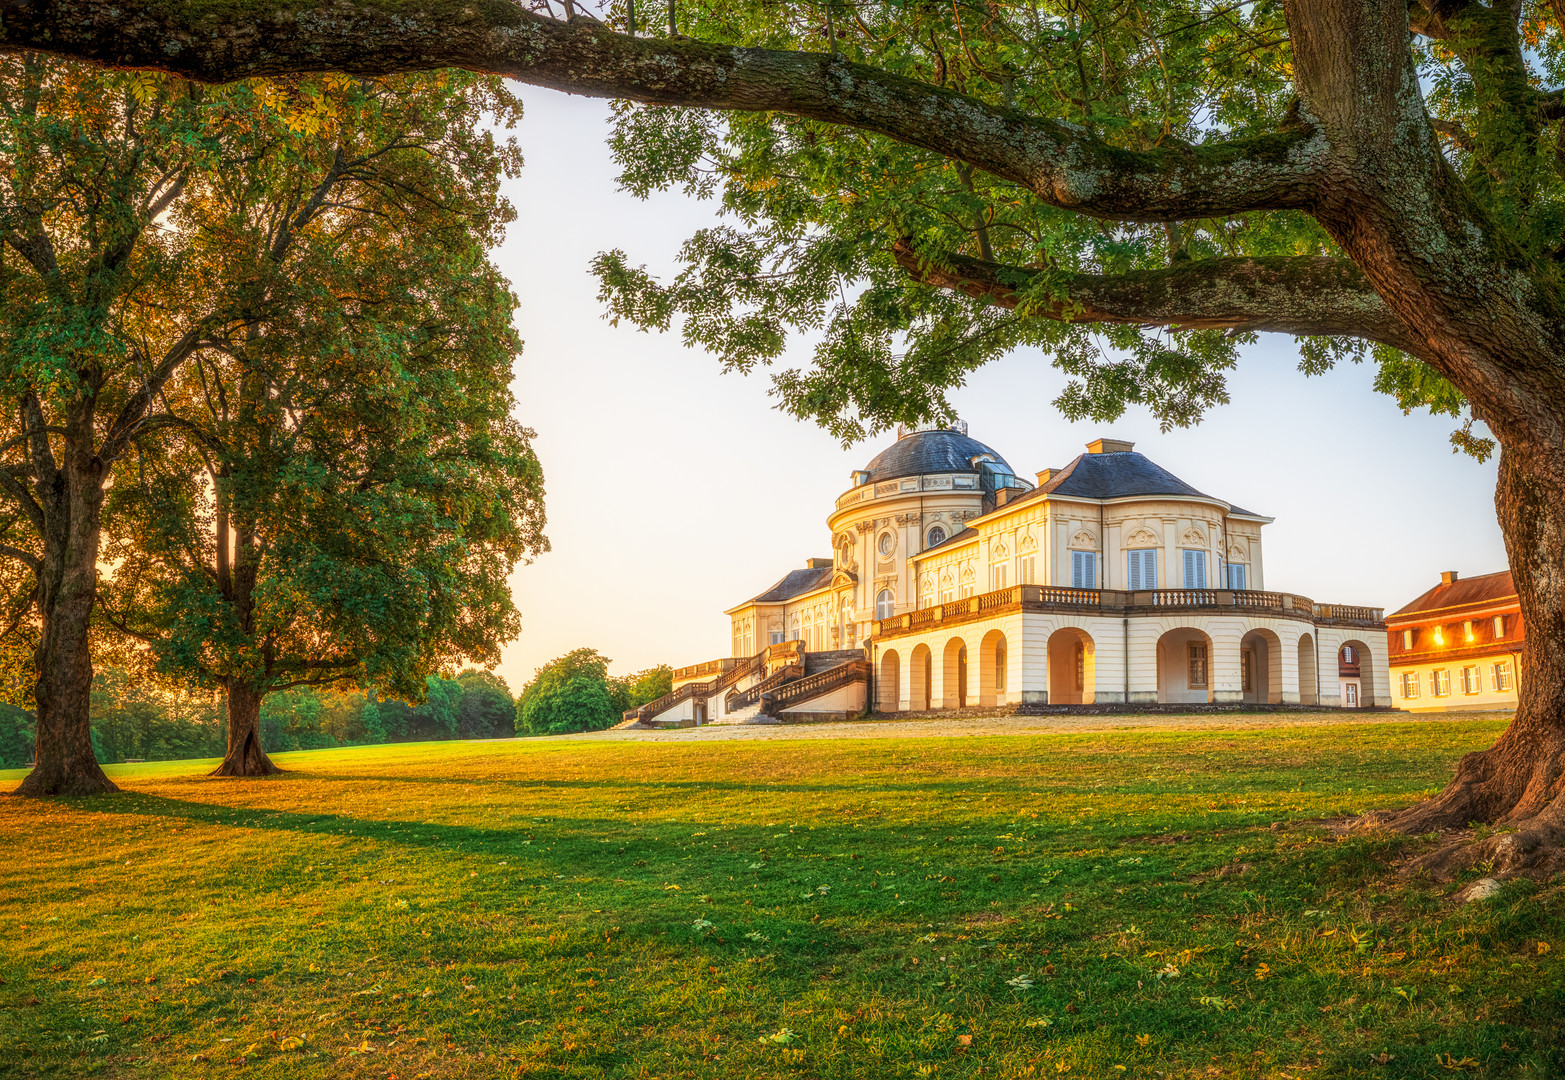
(17, 732)
(131, 719)
(814, 211)
(568, 694)
(338, 493)
(1170, 901)
(631, 691)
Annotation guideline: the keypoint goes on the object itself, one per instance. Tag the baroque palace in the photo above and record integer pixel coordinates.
(955, 583)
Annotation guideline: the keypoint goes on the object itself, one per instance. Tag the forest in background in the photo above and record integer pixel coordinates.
(133, 719)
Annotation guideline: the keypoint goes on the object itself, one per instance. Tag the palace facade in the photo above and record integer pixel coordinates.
(955, 583)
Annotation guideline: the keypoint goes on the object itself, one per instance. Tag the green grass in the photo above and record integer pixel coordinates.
(854, 908)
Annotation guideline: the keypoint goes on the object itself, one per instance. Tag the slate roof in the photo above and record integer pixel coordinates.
(929, 452)
(1118, 475)
(1463, 592)
(794, 583)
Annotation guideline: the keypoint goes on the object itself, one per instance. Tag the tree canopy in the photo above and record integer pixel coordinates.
(264, 314)
(930, 185)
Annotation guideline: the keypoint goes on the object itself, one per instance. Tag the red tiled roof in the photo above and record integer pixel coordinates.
(1463, 592)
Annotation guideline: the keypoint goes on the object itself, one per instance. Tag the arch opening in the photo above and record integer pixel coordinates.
(1184, 667)
(1260, 667)
(888, 690)
(1307, 682)
(920, 678)
(1356, 675)
(1072, 667)
(953, 683)
(992, 660)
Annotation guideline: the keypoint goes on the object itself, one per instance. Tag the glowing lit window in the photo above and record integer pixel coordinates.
(1467, 630)
(1407, 639)
(1439, 635)
(1499, 626)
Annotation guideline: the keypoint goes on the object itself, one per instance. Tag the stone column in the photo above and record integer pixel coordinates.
(1226, 679)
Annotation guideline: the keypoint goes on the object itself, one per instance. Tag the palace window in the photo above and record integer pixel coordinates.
(888, 544)
(1141, 568)
(1440, 682)
(1197, 665)
(776, 637)
(1029, 570)
(937, 535)
(1501, 674)
(1195, 568)
(884, 604)
(1410, 684)
(1246, 659)
(947, 591)
(997, 576)
(1472, 680)
(1350, 655)
(1407, 639)
(1238, 576)
(1084, 569)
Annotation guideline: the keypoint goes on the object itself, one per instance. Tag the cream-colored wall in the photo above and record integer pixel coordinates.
(1156, 664)
(1456, 701)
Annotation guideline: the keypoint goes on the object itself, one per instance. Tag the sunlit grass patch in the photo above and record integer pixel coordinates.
(1124, 904)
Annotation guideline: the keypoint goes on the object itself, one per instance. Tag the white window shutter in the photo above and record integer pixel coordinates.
(1149, 568)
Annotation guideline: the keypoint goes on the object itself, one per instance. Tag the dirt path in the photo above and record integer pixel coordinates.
(937, 727)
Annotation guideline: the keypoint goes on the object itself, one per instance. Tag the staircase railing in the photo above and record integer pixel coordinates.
(743, 699)
(669, 700)
(813, 686)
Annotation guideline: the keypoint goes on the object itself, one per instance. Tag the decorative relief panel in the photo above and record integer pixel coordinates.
(1027, 543)
(907, 519)
(1141, 538)
(998, 550)
(1193, 538)
(1084, 539)
(1237, 553)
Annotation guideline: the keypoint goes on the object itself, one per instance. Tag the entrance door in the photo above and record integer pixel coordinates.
(1350, 694)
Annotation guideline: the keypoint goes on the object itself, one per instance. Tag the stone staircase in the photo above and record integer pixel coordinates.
(785, 677)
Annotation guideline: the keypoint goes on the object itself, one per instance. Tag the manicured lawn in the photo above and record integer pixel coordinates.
(1100, 905)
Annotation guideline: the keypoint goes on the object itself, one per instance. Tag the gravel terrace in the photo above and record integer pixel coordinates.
(937, 727)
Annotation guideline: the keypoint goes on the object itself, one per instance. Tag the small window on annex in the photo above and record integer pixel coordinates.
(1410, 684)
(1407, 639)
(1501, 674)
(1499, 626)
(1472, 680)
(885, 604)
(937, 535)
(1440, 682)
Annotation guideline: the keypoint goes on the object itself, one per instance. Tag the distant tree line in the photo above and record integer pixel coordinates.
(133, 718)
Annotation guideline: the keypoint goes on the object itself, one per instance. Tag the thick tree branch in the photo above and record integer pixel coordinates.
(1285, 294)
(1060, 162)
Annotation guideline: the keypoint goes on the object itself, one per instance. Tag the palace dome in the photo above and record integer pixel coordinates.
(941, 451)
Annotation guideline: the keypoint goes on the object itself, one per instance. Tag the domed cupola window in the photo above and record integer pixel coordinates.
(937, 535)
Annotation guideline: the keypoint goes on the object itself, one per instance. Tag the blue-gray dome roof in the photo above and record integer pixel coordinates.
(930, 452)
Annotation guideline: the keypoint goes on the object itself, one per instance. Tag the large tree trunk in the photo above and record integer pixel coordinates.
(67, 590)
(1519, 782)
(245, 756)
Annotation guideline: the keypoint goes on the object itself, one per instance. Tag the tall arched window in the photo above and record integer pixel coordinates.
(937, 535)
(884, 605)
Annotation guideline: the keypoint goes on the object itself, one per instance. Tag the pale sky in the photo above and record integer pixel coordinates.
(676, 492)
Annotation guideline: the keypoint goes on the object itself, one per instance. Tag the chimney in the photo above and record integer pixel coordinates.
(1110, 446)
(1447, 576)
(1045, 475)
(817, 564)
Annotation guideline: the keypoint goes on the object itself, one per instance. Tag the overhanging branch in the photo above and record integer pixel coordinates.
(1285, 294)
(1060, 162)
